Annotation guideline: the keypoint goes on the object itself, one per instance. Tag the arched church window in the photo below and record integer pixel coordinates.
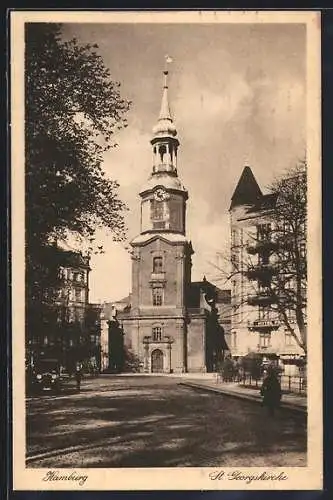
(157, 333)
(157, 265)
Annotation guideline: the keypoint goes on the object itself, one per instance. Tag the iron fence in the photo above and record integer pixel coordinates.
(289, 383)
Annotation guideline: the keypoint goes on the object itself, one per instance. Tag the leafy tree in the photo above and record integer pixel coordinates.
(132, 362)
(73, 109)
(252, 365)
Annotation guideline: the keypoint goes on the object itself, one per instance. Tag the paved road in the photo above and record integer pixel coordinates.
(140, 421)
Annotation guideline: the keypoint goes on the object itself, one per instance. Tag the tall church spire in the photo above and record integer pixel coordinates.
(165, 113)
(165, 127)
(165, 143)
(163, 196)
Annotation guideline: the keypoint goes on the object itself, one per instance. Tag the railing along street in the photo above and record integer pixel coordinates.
(289, 383)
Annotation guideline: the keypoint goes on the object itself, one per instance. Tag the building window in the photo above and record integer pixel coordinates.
(78, 315)
(80, 277)
(290, 313)
(157, 333)
(264, 232)
(157, 265)
(288, 338)
(264, 339)
(157, 296)
(78, 294)
(264, 312)
(233, 238)
(263, 258)
(302, 249)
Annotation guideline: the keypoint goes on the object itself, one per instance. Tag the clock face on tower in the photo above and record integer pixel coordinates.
(161, 194)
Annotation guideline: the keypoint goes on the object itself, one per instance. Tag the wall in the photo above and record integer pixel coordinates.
(137, 328)
(196, 346)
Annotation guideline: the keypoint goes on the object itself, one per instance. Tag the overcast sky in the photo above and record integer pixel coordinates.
(237, 95)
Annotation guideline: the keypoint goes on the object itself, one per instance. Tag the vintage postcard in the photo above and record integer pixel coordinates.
(166, 250)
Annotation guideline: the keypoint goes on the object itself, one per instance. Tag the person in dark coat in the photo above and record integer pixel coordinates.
(271, 391)
(78, 377)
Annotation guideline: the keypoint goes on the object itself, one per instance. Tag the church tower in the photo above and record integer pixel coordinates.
(163, 198)
(156, 325)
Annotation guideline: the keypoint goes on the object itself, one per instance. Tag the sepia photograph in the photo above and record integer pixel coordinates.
(166, 228)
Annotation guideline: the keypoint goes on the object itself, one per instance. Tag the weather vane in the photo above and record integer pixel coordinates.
(167, 60)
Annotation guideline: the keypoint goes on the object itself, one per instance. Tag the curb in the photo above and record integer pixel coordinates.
(249, 397)
(58, 451)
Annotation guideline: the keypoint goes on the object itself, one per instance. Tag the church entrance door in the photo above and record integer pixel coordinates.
(157, 361)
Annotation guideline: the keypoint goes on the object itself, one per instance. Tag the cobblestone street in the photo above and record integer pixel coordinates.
(141, 421)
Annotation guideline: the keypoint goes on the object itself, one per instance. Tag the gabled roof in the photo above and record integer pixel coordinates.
(126, 300)
(247, 191)
(223, 296)
(169, 237)
(65, 258)
(109, 308)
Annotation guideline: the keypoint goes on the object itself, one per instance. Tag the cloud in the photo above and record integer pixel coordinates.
(201, 108)
(237, 92)
(110, 278)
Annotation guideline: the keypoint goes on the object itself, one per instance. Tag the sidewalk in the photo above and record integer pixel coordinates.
(290, 401)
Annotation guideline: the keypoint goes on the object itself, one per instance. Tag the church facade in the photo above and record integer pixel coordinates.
(169, 323)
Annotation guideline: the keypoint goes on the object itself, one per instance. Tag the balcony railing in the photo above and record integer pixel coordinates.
(260, 271)
(157, 276)
(261, 298)
(165, 339)
(263, 324)
(261, 245)
(265, 349)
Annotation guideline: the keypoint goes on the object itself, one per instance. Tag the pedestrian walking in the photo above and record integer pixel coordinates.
(78, 377)
(271, 391)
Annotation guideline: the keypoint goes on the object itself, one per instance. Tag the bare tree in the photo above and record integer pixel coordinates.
(288, 276)
(271, 258)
